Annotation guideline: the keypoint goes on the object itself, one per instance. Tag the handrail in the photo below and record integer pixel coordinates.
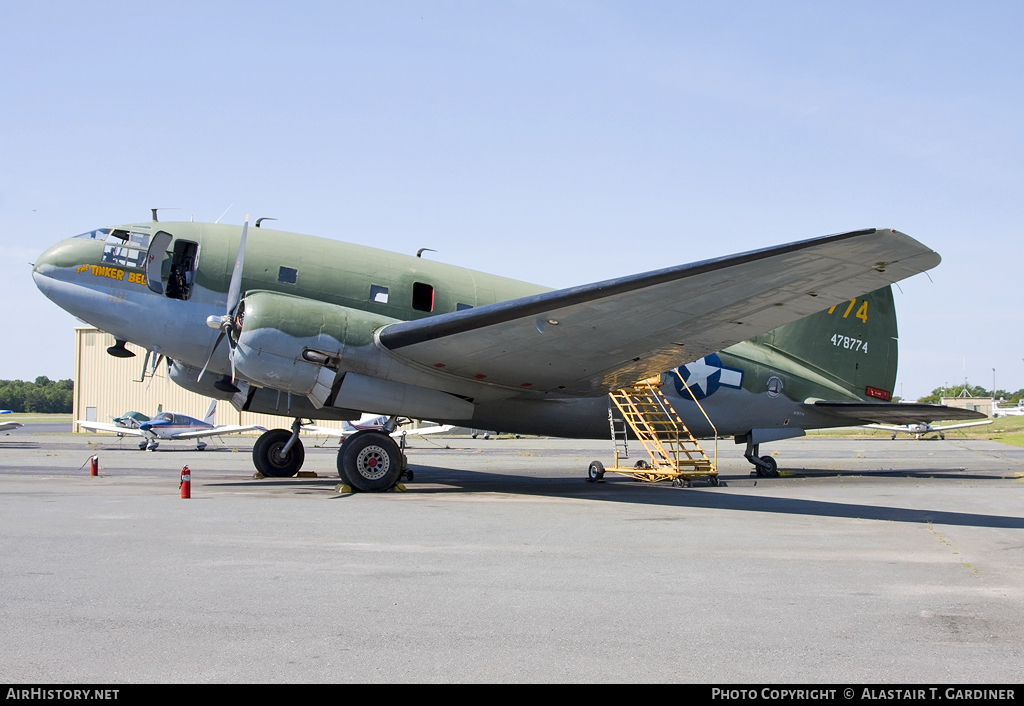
(701, 408)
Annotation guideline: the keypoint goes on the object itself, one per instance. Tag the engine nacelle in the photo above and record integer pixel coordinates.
(300, 345)
(296, 344)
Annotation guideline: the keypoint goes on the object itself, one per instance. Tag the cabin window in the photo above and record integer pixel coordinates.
(422, 297)
(288, 275)
(378, 294)
(459, 306)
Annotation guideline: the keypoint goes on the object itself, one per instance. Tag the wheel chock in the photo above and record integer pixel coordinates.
(257, 475)
(306, 474)
(398, 488)
(342, 489)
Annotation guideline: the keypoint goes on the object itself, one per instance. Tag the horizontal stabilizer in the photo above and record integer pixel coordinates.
(895, 412)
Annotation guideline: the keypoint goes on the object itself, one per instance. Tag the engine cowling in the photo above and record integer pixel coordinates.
(297, 344)
(302, 346)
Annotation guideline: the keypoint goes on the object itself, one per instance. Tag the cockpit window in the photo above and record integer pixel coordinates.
(98, 234)
(136, 238)
(124, 248)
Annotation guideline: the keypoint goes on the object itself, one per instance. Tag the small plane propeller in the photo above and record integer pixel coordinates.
(226, 322)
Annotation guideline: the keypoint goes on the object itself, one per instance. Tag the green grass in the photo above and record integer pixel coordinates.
(1008, 430)
(31, 417)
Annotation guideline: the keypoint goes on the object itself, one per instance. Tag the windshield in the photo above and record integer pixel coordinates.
(125, 248)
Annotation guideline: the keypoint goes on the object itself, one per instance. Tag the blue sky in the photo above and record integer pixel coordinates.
(555, 142)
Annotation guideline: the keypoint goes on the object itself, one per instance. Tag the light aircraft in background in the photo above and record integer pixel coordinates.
(9, 426)
(169, 426)
(771, 342)
(919, 429)
(131, 420)
(375, 423)
(1016, 411)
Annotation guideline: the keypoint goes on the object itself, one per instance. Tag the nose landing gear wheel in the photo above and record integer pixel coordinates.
(267, 457)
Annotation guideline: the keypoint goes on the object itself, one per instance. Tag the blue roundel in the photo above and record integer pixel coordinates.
(705, 376)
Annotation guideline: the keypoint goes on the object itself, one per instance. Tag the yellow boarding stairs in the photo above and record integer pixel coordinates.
(675, 453)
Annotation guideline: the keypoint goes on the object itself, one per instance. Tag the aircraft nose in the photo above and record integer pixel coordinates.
(48, 259)
(43, 268)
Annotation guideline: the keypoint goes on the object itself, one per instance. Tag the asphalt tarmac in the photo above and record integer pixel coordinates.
(868, 561)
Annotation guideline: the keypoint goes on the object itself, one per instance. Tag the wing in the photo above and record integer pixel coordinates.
(586, 340)
(427, 431)
(876, 413)
(326, 431)
(422, 431)
(947, 427)
(9, 426)
(104, 426)
(883, 427)
(216, 431)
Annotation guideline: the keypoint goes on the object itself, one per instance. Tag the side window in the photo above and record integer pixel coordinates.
(378, 294)
(422, 296)
(288, 275)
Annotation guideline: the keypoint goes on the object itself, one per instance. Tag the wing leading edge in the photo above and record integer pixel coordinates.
(586, 340)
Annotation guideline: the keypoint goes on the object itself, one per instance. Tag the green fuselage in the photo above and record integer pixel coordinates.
(104, 279)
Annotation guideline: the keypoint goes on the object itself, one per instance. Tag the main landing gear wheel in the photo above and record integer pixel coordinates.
(370, 461)
(770, 469)
(267, 457)
(595, 473)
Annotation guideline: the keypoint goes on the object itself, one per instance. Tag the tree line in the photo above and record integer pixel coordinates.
(42, 396)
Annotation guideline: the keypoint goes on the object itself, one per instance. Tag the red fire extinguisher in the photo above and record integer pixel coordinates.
(186, 483)
(94, 466)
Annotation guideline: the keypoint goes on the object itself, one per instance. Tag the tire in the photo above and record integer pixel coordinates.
(642, 465)
(370, 461)
(713, 480)
(595, 472)
(772, 470)
(266, 454)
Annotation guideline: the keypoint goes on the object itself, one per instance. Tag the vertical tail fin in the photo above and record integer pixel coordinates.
(211, 412)
(855, 343)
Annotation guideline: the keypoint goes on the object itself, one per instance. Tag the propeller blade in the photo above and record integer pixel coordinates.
(207, 364)
(235, 288)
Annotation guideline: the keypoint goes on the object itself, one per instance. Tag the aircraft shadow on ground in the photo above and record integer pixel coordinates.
(922, 473)
(446, 481)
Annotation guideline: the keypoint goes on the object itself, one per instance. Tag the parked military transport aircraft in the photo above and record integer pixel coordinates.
(169, 426)
(786, 338)
(922, 428)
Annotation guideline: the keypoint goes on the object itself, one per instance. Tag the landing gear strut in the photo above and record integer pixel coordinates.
(278, 453)
(765, 466)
